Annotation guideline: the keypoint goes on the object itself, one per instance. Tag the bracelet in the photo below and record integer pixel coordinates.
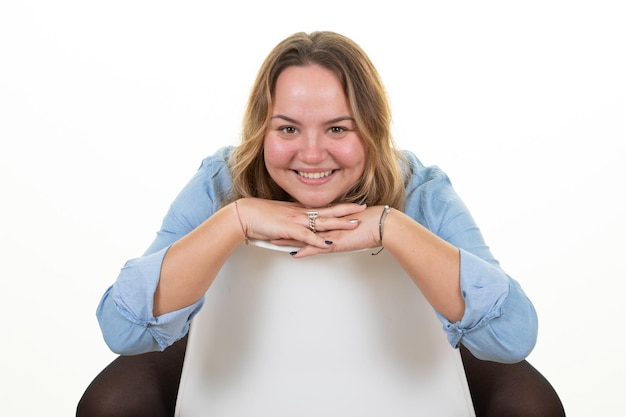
(381, 222)
(245, 234)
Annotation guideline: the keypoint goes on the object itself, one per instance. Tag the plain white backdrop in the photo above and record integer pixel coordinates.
(107, 108)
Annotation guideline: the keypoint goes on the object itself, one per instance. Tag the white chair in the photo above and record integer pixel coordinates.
(345, 334)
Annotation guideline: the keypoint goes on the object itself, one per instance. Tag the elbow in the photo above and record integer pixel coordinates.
(121, 335)
(525, 345)
(508, 338)
(510, 346)
(514, 338)
(524, 340)
(115, 345)
(516, 352)
(130, 340)
(518, 326)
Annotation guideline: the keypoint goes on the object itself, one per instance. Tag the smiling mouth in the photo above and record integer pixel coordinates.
(314, 175)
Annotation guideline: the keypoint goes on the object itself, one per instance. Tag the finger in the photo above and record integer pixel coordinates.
(342, 210)
(308, 250)
(325, 224)
(287, 242)
(316, 240)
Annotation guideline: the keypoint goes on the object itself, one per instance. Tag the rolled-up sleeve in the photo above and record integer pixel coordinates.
(125, 310)
(499, 323)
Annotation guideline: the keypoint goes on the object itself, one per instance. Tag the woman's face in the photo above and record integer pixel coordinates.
(312, 148)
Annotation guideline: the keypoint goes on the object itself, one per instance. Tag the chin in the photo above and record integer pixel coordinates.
(315, 202)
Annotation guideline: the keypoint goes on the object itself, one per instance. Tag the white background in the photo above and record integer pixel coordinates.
(107, 108)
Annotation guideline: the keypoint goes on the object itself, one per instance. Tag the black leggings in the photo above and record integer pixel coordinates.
(147, 385)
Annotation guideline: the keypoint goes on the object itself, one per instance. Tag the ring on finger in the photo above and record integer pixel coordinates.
(312, 216)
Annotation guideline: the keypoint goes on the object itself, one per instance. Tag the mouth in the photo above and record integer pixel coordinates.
(315, 175)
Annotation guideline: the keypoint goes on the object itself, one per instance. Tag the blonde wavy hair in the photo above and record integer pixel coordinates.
(382, 181)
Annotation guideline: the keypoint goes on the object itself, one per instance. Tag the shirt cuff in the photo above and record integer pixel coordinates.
(484, 288)
(133, 295)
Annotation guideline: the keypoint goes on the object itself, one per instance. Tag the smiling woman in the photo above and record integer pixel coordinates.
(312, 149)
(317, 170)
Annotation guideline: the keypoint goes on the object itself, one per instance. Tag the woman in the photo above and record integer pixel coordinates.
(317, 169)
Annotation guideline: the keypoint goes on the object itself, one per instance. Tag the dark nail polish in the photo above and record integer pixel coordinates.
(328, 242)
(293, 253)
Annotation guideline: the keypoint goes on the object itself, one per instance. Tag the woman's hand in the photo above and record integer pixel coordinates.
(287, 224)
(365, 236)
(191, 263)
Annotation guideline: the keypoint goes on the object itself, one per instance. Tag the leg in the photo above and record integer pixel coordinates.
(141, 385)
(509, 389)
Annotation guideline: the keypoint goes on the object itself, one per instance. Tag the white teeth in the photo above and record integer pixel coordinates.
(314, 175)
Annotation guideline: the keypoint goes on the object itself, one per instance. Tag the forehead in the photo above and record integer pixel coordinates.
(311, 86)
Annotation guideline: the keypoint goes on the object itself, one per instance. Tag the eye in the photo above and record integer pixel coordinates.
(338, 131)
(287, 131)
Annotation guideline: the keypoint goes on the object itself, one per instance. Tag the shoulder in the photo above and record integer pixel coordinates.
(214, 175)
(210, 185)
(430, 197)
(419, 175)
(202, 196)
(217, 163)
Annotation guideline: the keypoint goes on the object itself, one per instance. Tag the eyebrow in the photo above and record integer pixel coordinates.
(331, 121)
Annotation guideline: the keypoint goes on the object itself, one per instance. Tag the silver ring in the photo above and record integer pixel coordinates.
(312, 216)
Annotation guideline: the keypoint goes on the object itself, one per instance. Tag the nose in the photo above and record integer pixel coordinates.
(313, 148)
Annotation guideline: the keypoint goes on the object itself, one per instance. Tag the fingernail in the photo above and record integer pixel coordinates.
(354, 221)
(293, 253)
(328, 242)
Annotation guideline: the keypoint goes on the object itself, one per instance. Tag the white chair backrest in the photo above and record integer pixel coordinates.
(346, 334)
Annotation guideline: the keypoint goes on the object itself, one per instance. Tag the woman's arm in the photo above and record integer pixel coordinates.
(478, 303)
(432, 263)
(155, 296)
(191, 263)
(440, 247)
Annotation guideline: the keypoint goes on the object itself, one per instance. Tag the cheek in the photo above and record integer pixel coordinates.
(352, 156)
(275, 153)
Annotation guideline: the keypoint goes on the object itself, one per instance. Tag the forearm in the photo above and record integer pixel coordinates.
(431, 262)
(192, 263)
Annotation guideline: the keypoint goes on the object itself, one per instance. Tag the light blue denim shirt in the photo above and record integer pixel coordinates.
(499, 323)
